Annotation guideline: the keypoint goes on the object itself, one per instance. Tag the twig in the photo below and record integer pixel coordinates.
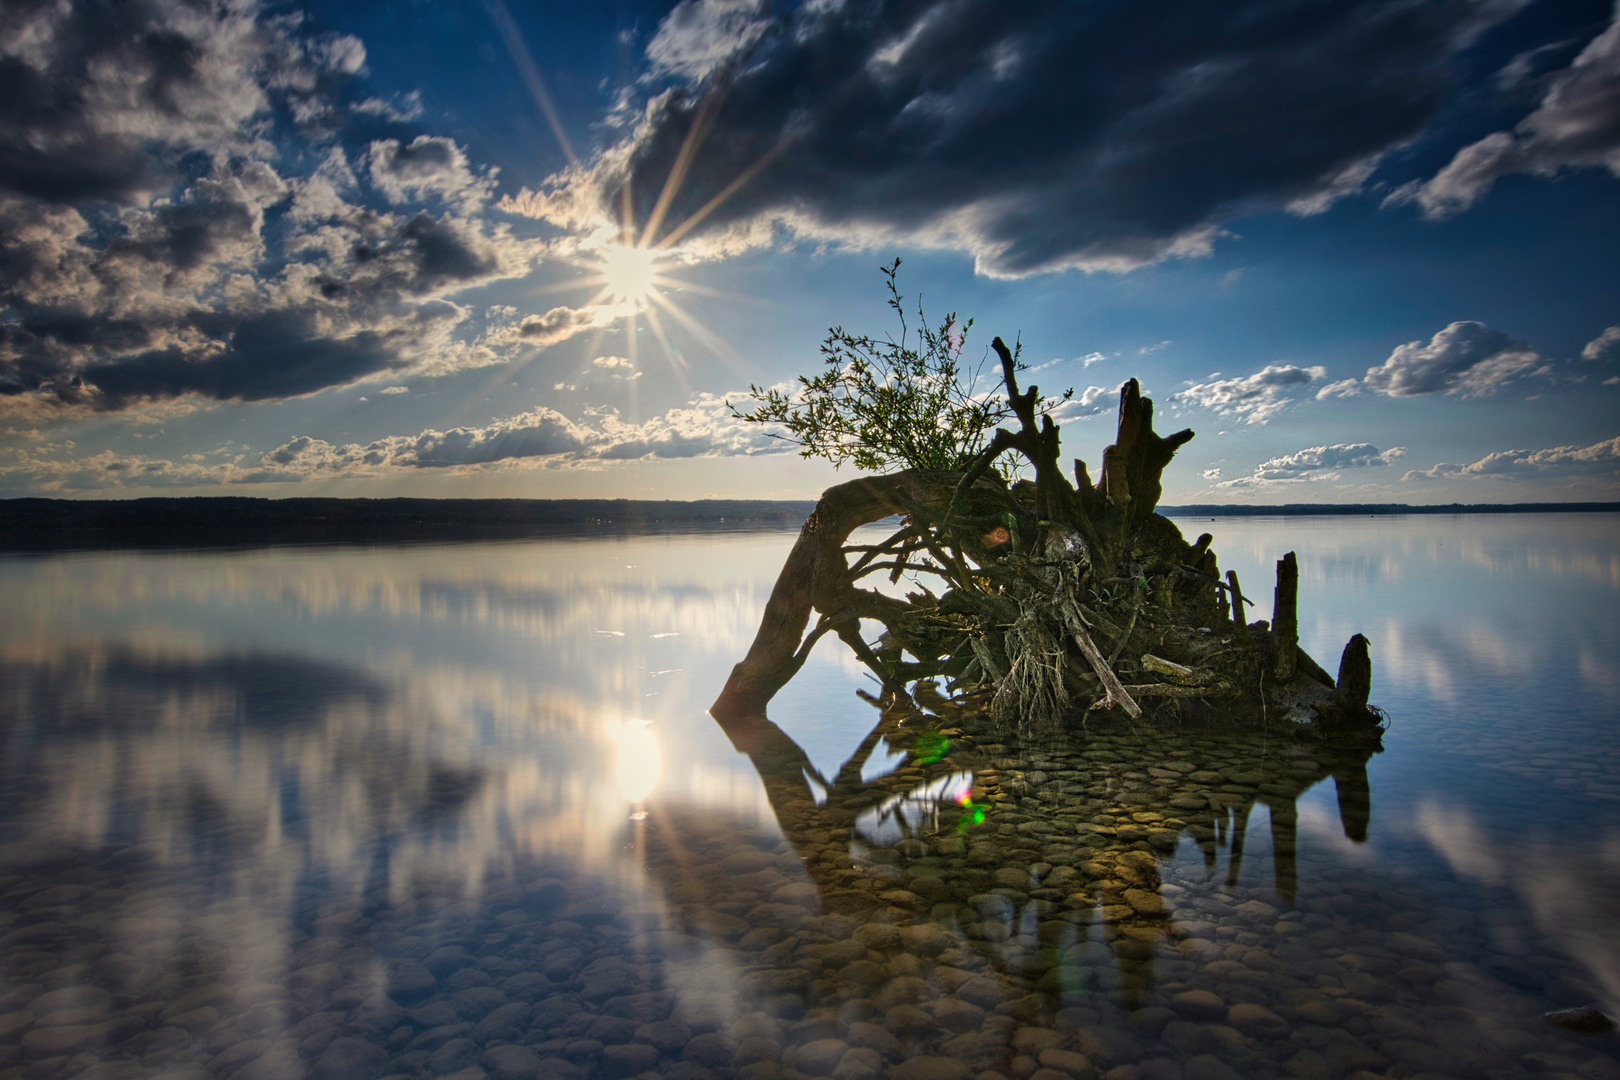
(1117, 694)
(1130, 626)
(1172, 691)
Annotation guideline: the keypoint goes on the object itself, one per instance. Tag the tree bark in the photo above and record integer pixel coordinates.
(1240, 619)
(1285, 619)
(1355, 676)
(1133, 465)
(811, 572)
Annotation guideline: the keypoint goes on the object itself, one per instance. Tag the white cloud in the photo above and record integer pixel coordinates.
(556, 325)
(1598, 459)
(430, 165)
(1316, 463)
(539, 438)
(1256, 398)
(1091, 401)
(1342, 389)
(1467, 359)
(395, 390)
(1576, 125)
(612, 362)
(702, 428)
(700, 35)
(1606, 346)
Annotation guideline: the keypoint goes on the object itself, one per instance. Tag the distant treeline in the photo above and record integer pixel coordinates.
(52, 523)
(48, 523)
(1374, 509)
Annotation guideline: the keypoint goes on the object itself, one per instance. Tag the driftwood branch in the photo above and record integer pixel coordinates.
(1116, 692)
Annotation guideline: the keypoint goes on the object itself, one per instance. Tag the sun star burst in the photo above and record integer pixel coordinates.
(629, 274)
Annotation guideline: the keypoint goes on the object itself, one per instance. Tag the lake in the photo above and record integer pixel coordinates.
(458, 810)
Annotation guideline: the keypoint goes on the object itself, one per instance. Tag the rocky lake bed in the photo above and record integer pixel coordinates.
(1093, 922)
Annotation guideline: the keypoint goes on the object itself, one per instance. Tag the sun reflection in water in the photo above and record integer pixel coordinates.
(638, 761)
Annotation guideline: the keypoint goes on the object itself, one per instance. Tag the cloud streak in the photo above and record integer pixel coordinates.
(1255, 398)
(1314, 463)
(1598, 459)
(539, 438)
(931, 124)
(1576, 125)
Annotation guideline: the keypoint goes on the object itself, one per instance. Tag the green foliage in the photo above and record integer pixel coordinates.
(886, 404)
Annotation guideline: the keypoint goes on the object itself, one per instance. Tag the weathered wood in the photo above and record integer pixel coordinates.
(1173, 671)
(1170, 690)
(1355, 676)
(1134, 464)
(812, 577)
(1022, 570)
(1307, 665)
(1210, 567)
(1285, 619)
(1240, 620)
(1116, 694)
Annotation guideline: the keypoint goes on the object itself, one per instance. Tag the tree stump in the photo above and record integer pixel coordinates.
(1285, 619)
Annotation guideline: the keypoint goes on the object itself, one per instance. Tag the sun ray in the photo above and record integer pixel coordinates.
(723, 351)
(627, 215)
(677, 171)
(513, 37)
(677, 364)
(725, 193)
(676, 360)
(627, 270)
(632, 344)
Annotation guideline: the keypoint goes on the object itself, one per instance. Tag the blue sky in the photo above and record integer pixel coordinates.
(1365, 250)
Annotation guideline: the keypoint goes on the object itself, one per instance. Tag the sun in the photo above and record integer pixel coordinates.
(629, 274)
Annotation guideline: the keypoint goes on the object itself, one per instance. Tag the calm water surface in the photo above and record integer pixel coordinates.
(459, 811)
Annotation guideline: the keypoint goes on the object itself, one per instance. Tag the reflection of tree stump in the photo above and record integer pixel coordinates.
(1048, 915)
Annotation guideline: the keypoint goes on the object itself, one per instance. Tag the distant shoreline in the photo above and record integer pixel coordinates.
(33, 524)
(1383, 509)
(212, 521)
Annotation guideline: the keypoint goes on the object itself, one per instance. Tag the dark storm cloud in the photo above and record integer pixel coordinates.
(1041, 135)
(98, 97)
(50, 145)
(1577, 125)
(270, 357)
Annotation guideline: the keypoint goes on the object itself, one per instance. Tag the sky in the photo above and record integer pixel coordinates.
(1367, 251)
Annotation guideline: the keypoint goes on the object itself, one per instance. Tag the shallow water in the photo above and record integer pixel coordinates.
(458, 810)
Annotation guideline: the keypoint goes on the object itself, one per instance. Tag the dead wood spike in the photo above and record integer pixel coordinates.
(1133, 465)
(1285, 619)
(1355, 676)
(1240, 620)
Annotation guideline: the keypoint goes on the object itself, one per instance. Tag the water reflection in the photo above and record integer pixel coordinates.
(1015, 857)
(457, 811)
